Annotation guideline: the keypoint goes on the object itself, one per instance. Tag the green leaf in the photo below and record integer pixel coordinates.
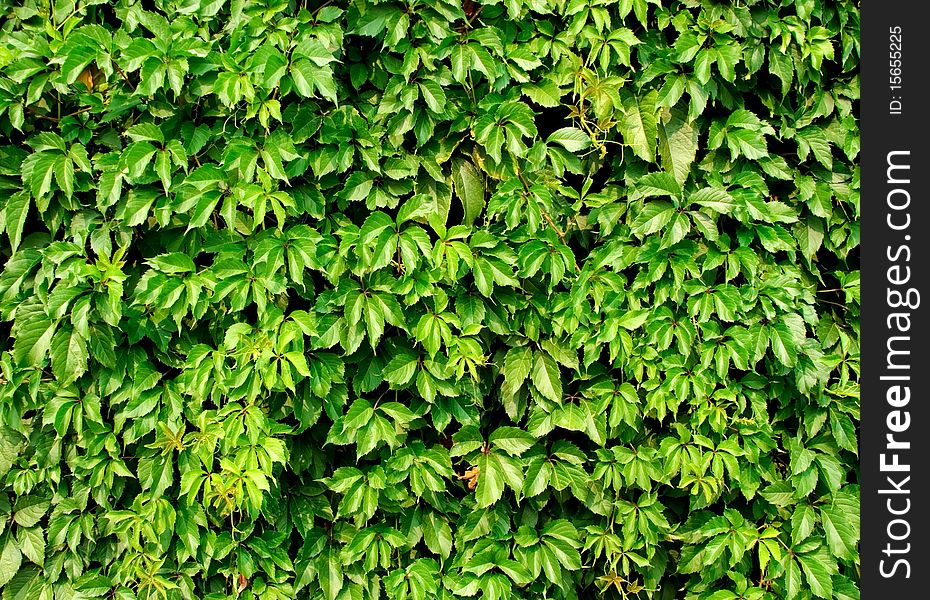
(810, 234)
(844, 432)
(29, 510)
(136, 157)
(655, 215)
(376, 223)
(469, 188)
(658, 184)
(545, 93)
(37, 172)
(33, 341)
(401, 368)
(570, 138)
(781, 65)
(842, 536)
(359, 415)
(678, 145)
(512, 440)
(32, 544)
(775, 238)
(76, 60)
(314, 50)
(434, 96)
(783, 344)
(358, 186)
(802, 523)
(517, 365)
(398, 412)
(819, 568)
(780, 494)
(10, 446)
(135, 209)
(146, 132)
(10, 560)
(437, 534)
(15, 212)
(490, 485)
(639, 124)
(793, 578)
(331, 575)
(715, 199)
(632, 319)
(748, 143)
(69, 355)
(538, 475)
(546, 377)
(303, 73)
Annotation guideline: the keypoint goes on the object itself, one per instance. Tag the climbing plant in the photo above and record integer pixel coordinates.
(429, 299)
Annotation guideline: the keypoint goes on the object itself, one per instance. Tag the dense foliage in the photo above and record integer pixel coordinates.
(429, 299)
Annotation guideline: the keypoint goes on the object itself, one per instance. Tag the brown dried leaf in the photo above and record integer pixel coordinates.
(90, 76)
(471, 476)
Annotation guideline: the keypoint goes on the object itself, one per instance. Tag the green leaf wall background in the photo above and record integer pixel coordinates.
(431, 299)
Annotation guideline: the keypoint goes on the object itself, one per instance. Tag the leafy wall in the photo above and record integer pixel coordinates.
(436, 299)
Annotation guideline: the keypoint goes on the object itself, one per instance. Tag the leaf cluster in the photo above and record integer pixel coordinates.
(429, 299)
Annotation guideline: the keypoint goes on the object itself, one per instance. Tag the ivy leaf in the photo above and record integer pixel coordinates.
(268, 317)
(69, 355)
(844, 432)
(517, 365)
(546, 377)
(76, 60)
(358, 186)
(134, 210)
(658, 184)
(748, 143)
(434, 96)
(38, 171)
(28, 510)
(469, 188)
(570, 138)
(781, 494)
(174, 263)
(33, 340)
(782, 341)
(437, 534)
(331, 575)
(10, 560)
(793, 578)
(32, 544)
(809, 234)
(490, 486)
(314, 50)
(639, 125)
(677, 145)
(781, 65)
(775, 238)
(632, 319)
(15, 212)
(654, 216)
(715, 199)
(802, 523)
(545, 93)
(819, 568)
(512, 440)
(310, 79)
(842, 537)
(538, 476)
(9, 450)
